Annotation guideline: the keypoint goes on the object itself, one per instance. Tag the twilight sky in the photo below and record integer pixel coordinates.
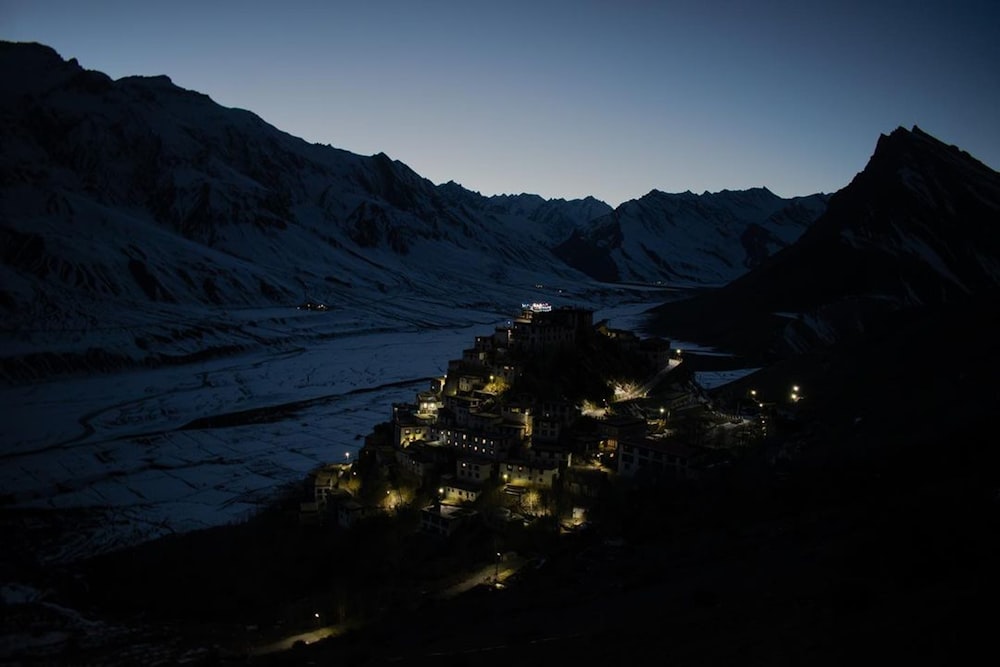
(569, 98)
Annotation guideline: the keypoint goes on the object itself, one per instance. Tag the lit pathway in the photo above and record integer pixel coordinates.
(310, 637)
(484, 575)
(660, 374)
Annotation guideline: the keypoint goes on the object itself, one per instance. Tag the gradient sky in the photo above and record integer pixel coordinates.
(568, 99)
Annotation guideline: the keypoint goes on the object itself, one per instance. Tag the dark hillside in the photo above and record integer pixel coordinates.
(893, 560)
(870, 526)
(919, 226)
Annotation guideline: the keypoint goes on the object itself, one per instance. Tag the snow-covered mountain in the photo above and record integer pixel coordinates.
(689, 238)
(151, 213)
(134, 202)
(183, 187)
(558, 217)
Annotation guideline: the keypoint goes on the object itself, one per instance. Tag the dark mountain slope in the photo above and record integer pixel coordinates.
(919, 226)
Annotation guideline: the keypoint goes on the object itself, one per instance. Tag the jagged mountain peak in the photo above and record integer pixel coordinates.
(901, 145)
(689, 238)
(154, 81)
(33, 56)
(917, 227)
(930, 185)
(32, 69)
(758, 191)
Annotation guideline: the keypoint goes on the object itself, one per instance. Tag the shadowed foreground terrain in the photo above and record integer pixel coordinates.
(858, 548)
(893, 561)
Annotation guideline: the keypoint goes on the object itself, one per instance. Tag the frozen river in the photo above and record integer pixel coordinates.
(136, 455)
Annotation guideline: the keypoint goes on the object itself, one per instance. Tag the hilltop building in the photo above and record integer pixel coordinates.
(519, 441)
(539, 327)
(467, 431)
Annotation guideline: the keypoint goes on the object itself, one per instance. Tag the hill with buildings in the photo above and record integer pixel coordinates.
(489, 521)
(270, 294)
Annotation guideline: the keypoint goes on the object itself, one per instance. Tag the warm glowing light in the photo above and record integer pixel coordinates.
(537, 307)
(625, 391)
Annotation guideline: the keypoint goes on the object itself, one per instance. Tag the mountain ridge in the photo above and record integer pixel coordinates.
(689, 238)
(133, 198)
(916, 227)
